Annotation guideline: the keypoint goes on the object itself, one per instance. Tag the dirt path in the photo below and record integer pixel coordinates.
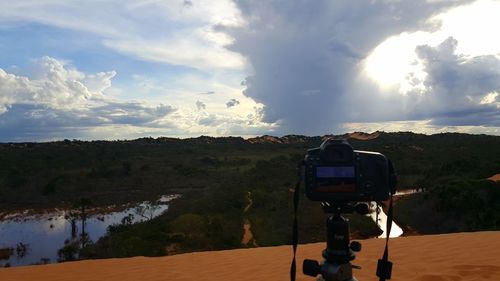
(248, 239)
(250, 202)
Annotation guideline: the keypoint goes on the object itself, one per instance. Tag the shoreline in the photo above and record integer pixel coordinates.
(19, 214)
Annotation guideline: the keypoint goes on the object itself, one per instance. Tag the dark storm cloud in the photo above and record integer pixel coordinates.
(458, 87)
(305, 55)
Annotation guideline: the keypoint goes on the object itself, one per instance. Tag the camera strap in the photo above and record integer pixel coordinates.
(295, 231)
(384, 266)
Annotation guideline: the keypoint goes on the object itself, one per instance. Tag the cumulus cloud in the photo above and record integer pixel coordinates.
(232, 103)
(59, 101)
(65, 101)
(200, 105)
(305, 57)
(58, 86)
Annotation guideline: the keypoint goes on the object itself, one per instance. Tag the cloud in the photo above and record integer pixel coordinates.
(59, 101)
(306, 57)
(131, 113)
(200, 105)
(420, 126)
(232, 103)
(187, 48)
(211, 120)
(458, 90)
(249, 125)
(58, 86)
(304, 63)
(172, 32)
(63, 101)
(215, 120)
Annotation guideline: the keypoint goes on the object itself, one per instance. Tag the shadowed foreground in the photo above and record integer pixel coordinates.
(462, 256)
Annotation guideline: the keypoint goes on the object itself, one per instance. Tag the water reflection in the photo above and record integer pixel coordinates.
(43, 235)
(396, 231)
(380, 217)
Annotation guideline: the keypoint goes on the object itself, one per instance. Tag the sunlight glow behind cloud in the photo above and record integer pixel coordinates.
(394, 63)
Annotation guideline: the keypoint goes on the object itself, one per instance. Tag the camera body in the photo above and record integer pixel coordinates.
(335, 172)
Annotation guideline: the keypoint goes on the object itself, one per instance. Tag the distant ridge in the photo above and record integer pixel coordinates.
(265, 139)
(363, 136)
(285, 139)
(290, 139)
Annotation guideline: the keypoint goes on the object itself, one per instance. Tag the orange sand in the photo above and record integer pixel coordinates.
(363, 136)
(247, 234)
(463, 256)
(495, 177)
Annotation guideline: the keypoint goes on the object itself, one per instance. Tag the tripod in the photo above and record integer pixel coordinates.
(339, 250)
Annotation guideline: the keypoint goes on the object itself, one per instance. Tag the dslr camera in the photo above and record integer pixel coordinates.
(335, 172)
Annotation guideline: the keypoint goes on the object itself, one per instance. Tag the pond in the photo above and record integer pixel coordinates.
(396, 231)
(37, 239)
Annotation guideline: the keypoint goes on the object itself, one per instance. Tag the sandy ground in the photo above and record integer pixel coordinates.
(247, 226)
(495, 177)
(463, 256)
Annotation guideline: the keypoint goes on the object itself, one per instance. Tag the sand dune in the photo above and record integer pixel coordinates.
(463, 256)
(363, 136)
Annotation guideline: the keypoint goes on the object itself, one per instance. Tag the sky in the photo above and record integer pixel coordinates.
(119, 69)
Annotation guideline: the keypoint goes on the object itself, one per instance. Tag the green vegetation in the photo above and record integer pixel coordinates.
(215, 176)
(454, 205)
(5, 253)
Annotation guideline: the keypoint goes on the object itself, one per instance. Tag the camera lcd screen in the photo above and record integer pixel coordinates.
(335, 172)
(334, 179)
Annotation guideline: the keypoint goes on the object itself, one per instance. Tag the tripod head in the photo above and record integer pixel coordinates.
(345, 208)
(339, 250)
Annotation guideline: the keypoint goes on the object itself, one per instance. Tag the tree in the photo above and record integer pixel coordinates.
(82, 204)
(148, 209)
